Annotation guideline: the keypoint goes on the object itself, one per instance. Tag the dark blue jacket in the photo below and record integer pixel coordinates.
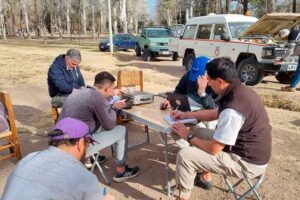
(61, 80)
(190, 88)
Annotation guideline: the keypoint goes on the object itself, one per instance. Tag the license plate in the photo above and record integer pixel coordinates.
(165, 52)
(102, 47)
(289, 68)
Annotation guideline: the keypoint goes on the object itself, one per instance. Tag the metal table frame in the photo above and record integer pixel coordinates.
(164, 129)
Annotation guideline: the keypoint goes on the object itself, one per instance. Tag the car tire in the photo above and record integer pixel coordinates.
(249, 71)
(146, 54)
(188, 60)
(285, 77)
(175, 56)
(138, 51)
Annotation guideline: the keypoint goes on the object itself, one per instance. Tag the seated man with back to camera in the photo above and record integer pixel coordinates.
(57, 172)
(241, 144)
(91, 105)
(64, 76)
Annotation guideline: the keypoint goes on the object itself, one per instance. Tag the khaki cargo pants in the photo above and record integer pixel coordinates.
(191, 160)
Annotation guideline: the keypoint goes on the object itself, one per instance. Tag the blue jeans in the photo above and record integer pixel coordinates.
(296, 78)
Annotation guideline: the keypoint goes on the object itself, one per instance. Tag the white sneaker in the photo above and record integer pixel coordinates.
(88, 164)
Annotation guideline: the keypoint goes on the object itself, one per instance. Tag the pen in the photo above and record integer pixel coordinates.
(104, 191)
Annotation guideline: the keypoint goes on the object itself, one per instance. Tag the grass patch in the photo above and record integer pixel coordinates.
(279, 101)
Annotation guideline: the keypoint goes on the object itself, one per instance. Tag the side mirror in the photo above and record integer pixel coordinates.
(225, 37)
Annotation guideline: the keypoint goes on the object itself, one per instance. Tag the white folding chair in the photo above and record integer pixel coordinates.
(252, 186)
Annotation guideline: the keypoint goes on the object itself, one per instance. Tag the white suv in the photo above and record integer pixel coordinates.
(246, 40)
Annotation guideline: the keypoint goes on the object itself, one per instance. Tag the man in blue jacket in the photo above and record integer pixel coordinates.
(64, 76)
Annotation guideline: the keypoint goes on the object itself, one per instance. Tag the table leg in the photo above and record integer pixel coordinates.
(165, 138)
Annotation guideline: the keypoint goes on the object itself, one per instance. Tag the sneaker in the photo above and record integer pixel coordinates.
(206, 185)
(130, 172)
(89, 161)
(288, 89)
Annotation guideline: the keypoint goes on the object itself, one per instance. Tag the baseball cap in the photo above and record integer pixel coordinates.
(198, 67)
(72, 129)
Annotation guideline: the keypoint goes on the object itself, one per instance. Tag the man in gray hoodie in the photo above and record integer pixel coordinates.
(91, 105)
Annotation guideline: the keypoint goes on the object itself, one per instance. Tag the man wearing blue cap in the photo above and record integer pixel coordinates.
(57, 172)
(194, 85)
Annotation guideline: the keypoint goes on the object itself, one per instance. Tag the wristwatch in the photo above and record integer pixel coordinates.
(190, 137)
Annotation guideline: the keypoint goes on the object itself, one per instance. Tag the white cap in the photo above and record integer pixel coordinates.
(283, 33)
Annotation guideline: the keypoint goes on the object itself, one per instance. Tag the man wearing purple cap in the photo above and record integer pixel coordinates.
(91, 105)
(57, 172)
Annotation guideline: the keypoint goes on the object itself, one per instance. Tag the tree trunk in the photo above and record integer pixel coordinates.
(51, 18)
(93, 19)
(123, 16)
(115, 21)
(37, 26)
(59, 25)
(227, 6)
(13, 17)
(83, 17)
(245, 6)
(68, 18)
(23, 2)
(294, 6)
(2, 24)
(186, 15)
(136, 24)
(191, 8)
(270, 4)
(218, 7)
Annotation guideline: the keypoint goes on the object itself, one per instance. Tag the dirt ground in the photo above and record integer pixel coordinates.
(23, 73)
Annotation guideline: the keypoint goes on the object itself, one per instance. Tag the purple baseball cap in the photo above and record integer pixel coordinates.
(72, 129)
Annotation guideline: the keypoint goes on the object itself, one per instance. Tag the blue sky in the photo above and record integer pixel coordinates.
(151, 6)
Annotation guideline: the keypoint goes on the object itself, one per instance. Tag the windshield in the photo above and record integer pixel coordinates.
(236, 28)
(164, 33)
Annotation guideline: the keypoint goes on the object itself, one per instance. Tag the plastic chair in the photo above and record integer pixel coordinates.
(131, 81)
(252, 186)
(12, 135)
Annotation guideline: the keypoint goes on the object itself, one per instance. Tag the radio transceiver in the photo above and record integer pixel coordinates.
(137, 98)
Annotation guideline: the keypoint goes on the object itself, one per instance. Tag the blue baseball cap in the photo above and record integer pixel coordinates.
(198, 67)
(72, 129)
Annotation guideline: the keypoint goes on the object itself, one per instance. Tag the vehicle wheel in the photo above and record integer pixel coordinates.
(116, 48)
(285, 77)
(145, 54)
(249, 72)
(175, 56)
(137, 50)
(188, 61)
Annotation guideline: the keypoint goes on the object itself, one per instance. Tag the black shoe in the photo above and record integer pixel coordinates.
(130, 172)
(101, 159)
(89, 162)
(206, 185)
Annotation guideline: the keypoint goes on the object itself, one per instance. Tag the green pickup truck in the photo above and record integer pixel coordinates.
(153, 42)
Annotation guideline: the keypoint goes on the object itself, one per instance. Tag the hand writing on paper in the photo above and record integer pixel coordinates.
(177, 115)
(180, 130)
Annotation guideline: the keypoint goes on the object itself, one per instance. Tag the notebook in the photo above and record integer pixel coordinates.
(184, 121)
